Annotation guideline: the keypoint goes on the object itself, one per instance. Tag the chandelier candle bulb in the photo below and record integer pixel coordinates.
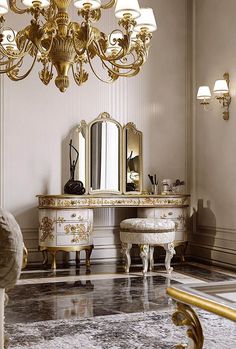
(146, 21)
(92, 4)
(40, 3)
(127, 8)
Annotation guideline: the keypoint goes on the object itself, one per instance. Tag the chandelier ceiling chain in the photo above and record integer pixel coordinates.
(55, 41)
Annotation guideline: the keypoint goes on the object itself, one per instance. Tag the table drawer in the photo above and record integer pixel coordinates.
(74, 215)
(74, 240)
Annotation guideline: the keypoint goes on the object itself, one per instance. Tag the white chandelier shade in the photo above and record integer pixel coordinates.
(3, 7)
(127, 8)
(146, 21)
(9, 39)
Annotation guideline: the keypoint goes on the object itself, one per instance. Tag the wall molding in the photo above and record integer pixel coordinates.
(215, 263)
(2, 199)
(223, 230)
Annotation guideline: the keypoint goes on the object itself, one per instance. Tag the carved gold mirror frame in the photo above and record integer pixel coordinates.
(105, 118)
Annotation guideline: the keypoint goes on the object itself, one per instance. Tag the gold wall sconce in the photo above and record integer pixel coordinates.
(222, 92)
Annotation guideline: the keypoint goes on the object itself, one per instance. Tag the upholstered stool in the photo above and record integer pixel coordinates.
(147, 233)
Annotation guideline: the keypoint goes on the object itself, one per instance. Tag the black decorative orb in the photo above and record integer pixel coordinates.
(74, 187)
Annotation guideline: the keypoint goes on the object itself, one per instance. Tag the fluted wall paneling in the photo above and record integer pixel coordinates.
(38, 120)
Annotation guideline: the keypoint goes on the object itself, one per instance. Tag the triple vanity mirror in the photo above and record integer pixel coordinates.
(110, 156)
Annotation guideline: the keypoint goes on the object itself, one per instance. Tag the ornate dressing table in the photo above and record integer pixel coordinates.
(111, 168)
(66, 221)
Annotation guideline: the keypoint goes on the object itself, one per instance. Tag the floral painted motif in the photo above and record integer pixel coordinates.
(80, 231)
(46, 228)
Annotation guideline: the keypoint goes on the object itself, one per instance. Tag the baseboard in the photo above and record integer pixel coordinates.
(212, 262)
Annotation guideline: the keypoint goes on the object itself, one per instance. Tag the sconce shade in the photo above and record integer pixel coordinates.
(146, 20)
(221, 86)
(3, 7)
(130, 8)
(29, 3)
(204, 92)
(8, 41)
(95, 4)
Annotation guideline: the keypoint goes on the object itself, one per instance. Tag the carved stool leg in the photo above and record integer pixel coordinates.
(144, 252)
(186, 316)
(54, 263)
(77, 258)
(151, 252)
(88, 255)
(170, 251)
(125, 248)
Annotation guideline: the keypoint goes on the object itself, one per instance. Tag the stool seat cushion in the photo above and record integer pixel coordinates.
(147, 238)
(147, 225)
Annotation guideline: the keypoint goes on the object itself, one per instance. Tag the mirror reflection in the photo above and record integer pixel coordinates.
(105, 143)
(133, 156)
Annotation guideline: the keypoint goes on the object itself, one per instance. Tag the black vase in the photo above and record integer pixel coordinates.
(74, 187)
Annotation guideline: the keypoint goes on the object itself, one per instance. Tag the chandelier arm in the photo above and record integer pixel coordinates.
(120, 66)
(131, 71)
(6, 62)
(17, 10)
(11, 67)
(101, 54)
(26, 74)
(108, 5)
(22, 53)
(122, 52)
(94, 72)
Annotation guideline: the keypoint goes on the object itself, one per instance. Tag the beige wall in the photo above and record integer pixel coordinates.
(214, 139)
(36, 119)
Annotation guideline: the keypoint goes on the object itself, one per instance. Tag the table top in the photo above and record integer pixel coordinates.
(94, 201)
(216, 297)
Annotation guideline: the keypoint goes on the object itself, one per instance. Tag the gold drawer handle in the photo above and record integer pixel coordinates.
(73, 215)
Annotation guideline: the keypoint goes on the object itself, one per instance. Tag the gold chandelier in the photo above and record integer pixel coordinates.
(55, 41)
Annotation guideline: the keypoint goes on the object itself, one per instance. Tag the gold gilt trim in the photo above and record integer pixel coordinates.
(105, 117)
(46, 228)
(186, 316)
(90, 201)
(77, 248)
(80, 231)
(203, 303)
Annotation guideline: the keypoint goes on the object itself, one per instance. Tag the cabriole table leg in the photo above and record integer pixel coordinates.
(54, 263)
